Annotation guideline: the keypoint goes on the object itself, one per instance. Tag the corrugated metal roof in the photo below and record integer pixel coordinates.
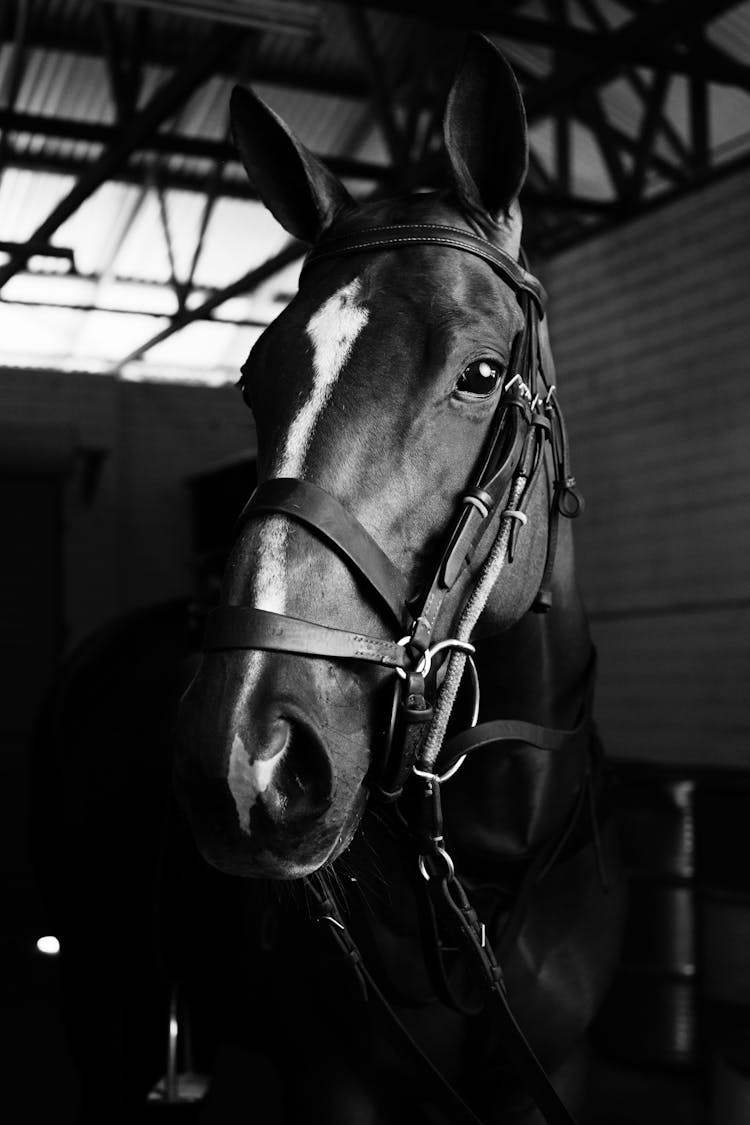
(120, 293)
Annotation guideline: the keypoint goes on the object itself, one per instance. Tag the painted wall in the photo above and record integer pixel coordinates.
(651, 334)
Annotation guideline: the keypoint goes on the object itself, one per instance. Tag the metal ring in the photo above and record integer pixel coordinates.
(403, 643)
(475, 682)
(454, 768)
(438, 778)
(449, 865)
(426, 775)
(464, 646)
(423, 665)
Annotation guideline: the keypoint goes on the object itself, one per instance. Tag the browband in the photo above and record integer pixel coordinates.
(430, 234)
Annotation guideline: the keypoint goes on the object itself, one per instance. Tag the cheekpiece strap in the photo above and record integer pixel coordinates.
(326, 517)
(431, 234)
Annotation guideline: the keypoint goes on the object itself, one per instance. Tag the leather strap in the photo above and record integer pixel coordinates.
(243, 627)
(323, 514)
(489, 973)
(508, 730)
(433, 1085)
(498, 731)
(431, 234)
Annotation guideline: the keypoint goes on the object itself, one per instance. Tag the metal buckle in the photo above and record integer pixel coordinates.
(450, 869)
(424, 664)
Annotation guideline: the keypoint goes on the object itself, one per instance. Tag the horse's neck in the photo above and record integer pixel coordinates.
(539, 670)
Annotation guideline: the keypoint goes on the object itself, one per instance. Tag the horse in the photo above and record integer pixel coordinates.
(384, 742)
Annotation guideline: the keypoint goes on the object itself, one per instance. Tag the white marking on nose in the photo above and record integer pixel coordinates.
(247, 780)
(332, 330)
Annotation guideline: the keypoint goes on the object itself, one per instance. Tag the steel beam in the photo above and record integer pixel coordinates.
(166, 101)
(649, 128)
(16, 67)
(169, 54)
(635, 49)
(242, 287)
(621, 216)
(168, 144)
(669, 20)
(123, 80)
(115, 311)
(381, 94)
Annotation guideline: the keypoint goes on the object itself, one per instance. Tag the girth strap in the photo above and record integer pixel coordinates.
(323, 514)
(431, 234)
(243, 627)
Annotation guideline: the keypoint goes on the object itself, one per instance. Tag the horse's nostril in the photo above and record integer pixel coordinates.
(303, 783)
(278, 737)
(286, 777)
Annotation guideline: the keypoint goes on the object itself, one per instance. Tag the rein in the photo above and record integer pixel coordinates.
(526, 421)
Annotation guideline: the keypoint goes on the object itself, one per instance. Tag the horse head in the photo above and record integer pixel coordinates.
(375, 394)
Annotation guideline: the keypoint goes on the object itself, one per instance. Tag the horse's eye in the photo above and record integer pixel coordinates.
(244, 385)
(480, 378)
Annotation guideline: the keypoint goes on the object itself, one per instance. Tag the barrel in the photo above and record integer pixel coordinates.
(650, 1017)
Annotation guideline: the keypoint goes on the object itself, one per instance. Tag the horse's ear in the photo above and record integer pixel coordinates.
(485, 132)
(295, 186)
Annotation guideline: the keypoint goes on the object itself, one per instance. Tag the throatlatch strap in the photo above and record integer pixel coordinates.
(326, 516)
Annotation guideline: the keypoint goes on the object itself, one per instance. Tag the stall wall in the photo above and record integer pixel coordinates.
(651, 334)
(127, 527)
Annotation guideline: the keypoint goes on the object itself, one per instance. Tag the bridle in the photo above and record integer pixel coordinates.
(527, 416)
(526, 421)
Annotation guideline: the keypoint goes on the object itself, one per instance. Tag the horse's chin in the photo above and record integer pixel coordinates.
(275, 857)
(263, 865)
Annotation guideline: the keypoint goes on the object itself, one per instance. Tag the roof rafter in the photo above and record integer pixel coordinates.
(172, 94)
(242, 287)
(302, 76)
(19, 51)
(616, 50)
(635, 46)
(175, 144)
(123, 68)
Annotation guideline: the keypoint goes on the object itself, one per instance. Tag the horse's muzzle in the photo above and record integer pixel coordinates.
(255, 781)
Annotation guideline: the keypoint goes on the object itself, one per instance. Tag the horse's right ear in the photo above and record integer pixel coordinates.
(485, 132)
(295, 186)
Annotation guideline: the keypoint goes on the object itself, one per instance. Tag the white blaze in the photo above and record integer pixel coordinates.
(247, 779)
(332, 331)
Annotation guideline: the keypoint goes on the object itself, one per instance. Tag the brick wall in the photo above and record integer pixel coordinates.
(651, 335)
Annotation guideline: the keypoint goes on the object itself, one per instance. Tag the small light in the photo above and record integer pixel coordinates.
(48, 945)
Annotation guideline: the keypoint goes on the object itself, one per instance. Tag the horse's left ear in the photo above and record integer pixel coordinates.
(485, 132)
